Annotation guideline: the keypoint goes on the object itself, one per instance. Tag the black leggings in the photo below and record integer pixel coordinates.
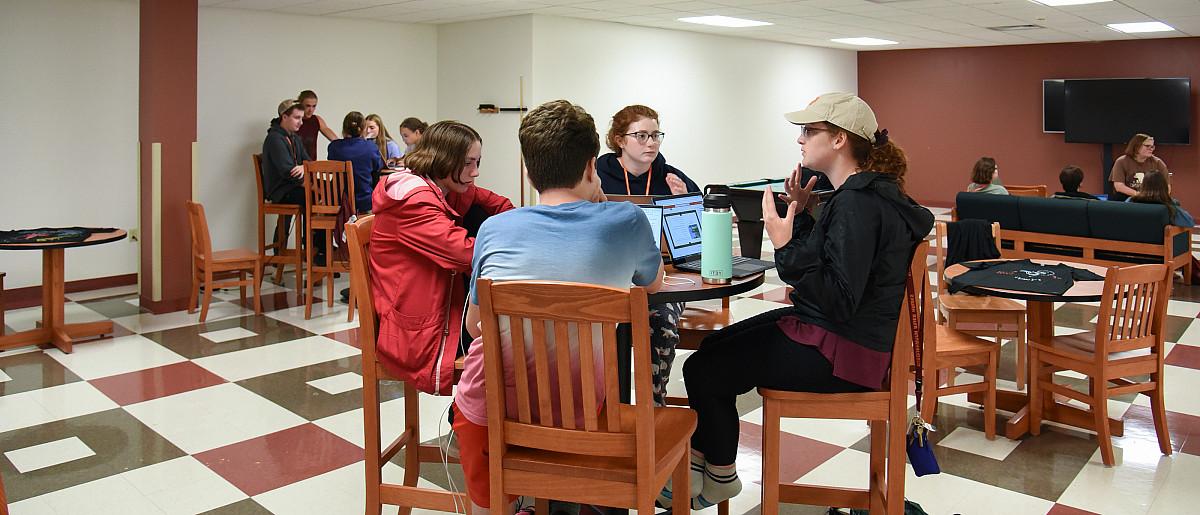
(746, 355)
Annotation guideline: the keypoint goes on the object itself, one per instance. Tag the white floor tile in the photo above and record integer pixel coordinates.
(115, 356)
(1066, 331)
(134, 302)
(1183, 308)
(25, 319)
(349, 425)
(49, 404)
(1191, 335)
(183, 486)
(1179, 493)
(81, 296)
(842, 433)
(324, 320)
(110, 495)
(258, 361)
(1129, 487)
(340, 383)
(975, 442)
(940, 493)
(4, 377)
(148, 322)
(335, 492)
(48, 454)
(742, 309)
(212, 417)
(225, 335)
(1180, 386)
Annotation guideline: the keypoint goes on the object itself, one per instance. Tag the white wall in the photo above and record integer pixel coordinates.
(69, 94)
(720, 99)
(248, 61)
(482, 62)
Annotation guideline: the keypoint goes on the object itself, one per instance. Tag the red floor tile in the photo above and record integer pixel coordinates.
(276, 301)
(800, 455)
(776, 295)
(348, 337)
(1185, 356)
(1062, 509)
(144, 385)
(1184, 428)
(268, 462)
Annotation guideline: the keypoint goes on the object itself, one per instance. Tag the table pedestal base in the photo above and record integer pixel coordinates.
(1018, 425)
(52, 330)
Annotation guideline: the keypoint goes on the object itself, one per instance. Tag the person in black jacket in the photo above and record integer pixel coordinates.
(635, 166)
(848, 272)
(283, 158)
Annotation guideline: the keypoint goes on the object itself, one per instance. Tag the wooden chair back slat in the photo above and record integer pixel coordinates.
(201, 242)
(327, 183)
(258, 179)
(1132, 309)
(587, 377)
(941, 242)
(559, 329)
(358, 237)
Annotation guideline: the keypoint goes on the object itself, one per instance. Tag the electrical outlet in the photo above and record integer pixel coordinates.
(134, 235)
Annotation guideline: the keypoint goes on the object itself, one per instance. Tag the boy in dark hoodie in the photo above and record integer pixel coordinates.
(848, 272)
(283, 157)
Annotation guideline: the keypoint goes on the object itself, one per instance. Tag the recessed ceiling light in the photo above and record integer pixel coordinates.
(724, 21)
(865, 41)
(1056, 3)
(1145, 26)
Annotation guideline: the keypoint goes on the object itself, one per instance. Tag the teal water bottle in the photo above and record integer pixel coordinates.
(716, 230)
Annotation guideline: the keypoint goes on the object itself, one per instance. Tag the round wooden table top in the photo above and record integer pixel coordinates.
(1081, 291)
(681, 286)
(95, 238)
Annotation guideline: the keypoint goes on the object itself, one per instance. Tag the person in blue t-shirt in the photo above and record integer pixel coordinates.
(363, 156)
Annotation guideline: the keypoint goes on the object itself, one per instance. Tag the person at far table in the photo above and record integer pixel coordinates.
(1130, 170)
(363, 156)
(376, 132)
(1071, 177)
(313, 123)
(985, 177)
(283, 157)
(1156, 190)
(411, 130)
(636, 167)
(848, 272)
(572, 235)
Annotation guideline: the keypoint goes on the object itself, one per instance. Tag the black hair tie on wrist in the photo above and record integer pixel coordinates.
(881, 138)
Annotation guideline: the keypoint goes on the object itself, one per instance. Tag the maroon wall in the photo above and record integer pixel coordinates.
(948, 107)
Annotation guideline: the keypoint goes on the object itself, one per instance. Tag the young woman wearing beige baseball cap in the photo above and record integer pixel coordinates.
(847, 271)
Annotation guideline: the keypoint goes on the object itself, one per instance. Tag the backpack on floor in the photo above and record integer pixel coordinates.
(910, 508)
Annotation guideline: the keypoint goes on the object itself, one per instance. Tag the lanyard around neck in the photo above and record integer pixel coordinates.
(649, 176)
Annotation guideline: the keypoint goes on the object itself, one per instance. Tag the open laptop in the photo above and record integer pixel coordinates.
(654, 215)
(681, 224)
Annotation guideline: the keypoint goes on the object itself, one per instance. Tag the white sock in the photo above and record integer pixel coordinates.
(721, 483)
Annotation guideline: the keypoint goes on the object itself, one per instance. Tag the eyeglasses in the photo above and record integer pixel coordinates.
(642, 136)
(1148, 145)
(806, 131)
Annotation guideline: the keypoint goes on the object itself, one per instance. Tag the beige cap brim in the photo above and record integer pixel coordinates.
(806, 116)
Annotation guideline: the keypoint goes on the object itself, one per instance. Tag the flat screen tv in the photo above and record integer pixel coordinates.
(1113, 110)
(1052, 105)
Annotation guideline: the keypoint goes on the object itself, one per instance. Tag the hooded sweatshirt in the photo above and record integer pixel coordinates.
(849, 270)
(280, 153)
(612, 177)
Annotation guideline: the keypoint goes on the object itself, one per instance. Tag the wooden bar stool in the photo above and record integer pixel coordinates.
(208, 266)
(328, 189)
(283, 256)
(1, 303)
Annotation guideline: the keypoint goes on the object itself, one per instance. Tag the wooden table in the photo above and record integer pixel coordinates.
(1039, 310)
(54, 329)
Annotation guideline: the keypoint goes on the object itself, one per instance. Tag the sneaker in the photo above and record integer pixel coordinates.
(345, 295)
(528, 510)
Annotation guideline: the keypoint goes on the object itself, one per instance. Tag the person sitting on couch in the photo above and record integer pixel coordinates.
(985, 178)
(1070, 177)
(1156, 190)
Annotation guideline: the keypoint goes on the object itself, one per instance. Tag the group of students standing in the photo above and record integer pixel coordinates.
(847, 270)
(1137, 176)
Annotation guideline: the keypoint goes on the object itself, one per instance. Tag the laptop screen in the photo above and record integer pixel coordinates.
(654, 214)
(681, 220)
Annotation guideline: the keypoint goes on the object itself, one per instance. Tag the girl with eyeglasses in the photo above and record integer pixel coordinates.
(635, 166)
(1130, 169)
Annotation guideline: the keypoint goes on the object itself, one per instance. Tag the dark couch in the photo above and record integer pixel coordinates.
(1102, 233)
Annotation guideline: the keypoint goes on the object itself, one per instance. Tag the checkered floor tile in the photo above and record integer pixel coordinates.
(262, 414)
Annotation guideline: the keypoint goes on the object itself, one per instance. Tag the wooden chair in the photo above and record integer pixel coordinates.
(407, 494)
(209, 265)
(947, 349)
(1127, 344)
(2, 303)
(993, 317)
(327, 184)
(1039, 190)
(283, 256)
(885, 411)
(623, 454)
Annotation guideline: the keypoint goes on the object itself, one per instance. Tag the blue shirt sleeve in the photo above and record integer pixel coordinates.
(393, 150)
(477, 258)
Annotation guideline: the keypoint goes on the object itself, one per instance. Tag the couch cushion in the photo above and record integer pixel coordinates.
(986, 206)
(1053, 216)
(1126, 221)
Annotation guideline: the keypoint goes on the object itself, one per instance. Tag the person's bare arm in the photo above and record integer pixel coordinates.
(658, 281)
(1123, 188)
(473, 320)
(329, 134)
